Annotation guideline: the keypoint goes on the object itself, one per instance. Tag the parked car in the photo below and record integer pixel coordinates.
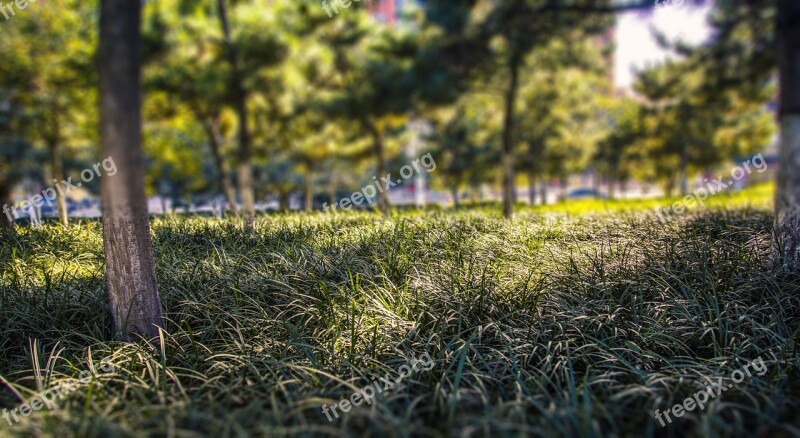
(586, 193)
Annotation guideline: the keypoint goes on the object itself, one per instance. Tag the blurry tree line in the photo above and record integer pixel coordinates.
(251, 98)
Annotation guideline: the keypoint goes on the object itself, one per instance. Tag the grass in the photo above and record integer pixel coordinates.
(546, 325)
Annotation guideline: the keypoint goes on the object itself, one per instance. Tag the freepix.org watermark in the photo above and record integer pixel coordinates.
(384, 384)
(48, 195)
(8, 8)
(49, 399)
(343, 3)
(370, 191)
(712, 188)
(699, 399)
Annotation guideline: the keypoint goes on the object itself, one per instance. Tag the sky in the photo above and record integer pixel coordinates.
(636, 45)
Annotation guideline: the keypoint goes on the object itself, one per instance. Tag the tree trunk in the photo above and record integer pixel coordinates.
(532, 187)
(309, 189)
(684, 172)
(7, 221)
(562, 182)
(57, 164)
(454, 194)
(130, 265)
(612, 184)
(215, 141)
(244, 169)
(542, 165)
(283, 201)
(787, 194)
(508, 140)
(378, 148)
(543, 189)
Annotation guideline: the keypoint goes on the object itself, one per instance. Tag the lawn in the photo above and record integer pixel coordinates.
(561, 322)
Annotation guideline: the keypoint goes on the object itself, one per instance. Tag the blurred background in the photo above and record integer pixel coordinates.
(618, 101)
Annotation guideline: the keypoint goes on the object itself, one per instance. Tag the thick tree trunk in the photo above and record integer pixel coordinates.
(130, 265)
(57, 166)
(7, 220)
(215, 141)
(787, 194)
(244, 170)
(508, 140)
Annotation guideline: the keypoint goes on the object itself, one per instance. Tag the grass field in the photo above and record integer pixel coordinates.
(562, 322)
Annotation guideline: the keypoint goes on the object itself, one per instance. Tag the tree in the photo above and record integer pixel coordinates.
(185, 60)
(512, 21)
(462, 140)
(50, 56)
(787, 198)
(130, 264)
(244, 168)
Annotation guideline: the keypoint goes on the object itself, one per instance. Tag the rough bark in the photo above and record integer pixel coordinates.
(244, 168)
(786, 254)
(508, 140)
(130, 266)
(57, 166)
(215, 141)
(7, 223)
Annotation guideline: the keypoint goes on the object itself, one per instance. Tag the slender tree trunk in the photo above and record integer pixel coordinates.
(532, 186)
(283, 201)
(786, 253)
(309, 189)
(684, 172)
(508, 140)
(541, 163)
(332, 188)
(612, 184)
(57, 166)
(562, 182)
(215, 141)
(7, 220)
(244, 168)
(130, 264)
(378, 148)
(454, 194)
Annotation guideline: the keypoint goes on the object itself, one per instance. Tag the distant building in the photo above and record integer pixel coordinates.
(384, 10)
(388, 11)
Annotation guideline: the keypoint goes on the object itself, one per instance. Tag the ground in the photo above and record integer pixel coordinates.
(557, 323)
